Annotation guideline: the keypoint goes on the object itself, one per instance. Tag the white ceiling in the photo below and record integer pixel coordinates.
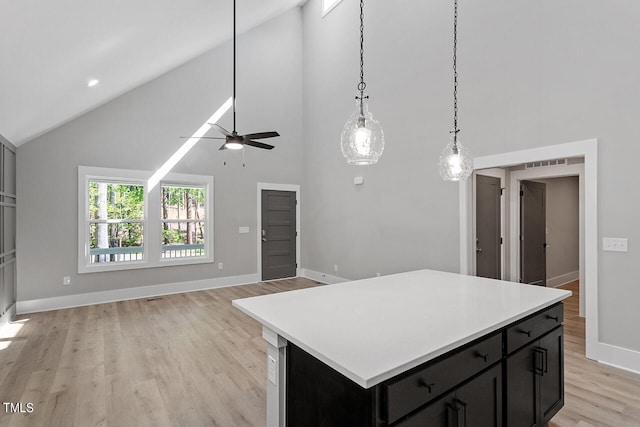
(49, 50)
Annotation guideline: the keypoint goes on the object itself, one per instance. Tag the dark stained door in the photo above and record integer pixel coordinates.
(488, 239)
(278, 234)
(533, 260)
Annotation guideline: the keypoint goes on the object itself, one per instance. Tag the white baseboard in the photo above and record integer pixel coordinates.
(619, 357)
(78, 300)
(321, 277)
(563, 279)
(9, 314)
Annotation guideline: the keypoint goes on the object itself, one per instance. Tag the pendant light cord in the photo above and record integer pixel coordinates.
(234, 66)
(455, 74)
(362, 85)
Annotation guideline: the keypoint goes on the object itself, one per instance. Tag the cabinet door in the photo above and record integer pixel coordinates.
(437, 414)
(552, 378)
(521, 387)
(482, 399)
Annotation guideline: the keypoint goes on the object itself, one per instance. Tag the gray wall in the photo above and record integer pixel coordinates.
(531, 74)
(563, 225)
(140, 130)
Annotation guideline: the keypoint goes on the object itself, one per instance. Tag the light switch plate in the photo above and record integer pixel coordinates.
(615, 244)
(243, 230)
(272, 369)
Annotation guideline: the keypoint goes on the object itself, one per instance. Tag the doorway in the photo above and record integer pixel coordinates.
(488, 226)
(587, 150)
(533, 234)
(278, 231)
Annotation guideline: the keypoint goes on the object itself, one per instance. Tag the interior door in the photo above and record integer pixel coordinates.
(533, 259)
(488, 239)
(278, 234)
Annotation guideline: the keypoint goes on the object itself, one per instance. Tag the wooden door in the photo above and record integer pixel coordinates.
(552, 377)
(521, 388)
(481, 399)
(488, 238)
(533, 260)
(278, 234)
(437, 414)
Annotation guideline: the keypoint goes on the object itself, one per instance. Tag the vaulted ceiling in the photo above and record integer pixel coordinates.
(50, 50)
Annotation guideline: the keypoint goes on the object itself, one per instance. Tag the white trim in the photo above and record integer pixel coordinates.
(501, 174)
(321, 277)
(152, 252)
(587, 149)
(563, 279)
(278, 187)
(91, 298)
(619, 357)
(9, 314)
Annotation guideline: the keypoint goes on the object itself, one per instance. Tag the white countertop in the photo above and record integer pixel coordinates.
(373, 329)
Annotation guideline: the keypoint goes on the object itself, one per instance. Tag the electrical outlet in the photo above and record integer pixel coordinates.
(615, 245)
(377, 274)
(220, 266)
(335, 267)
(66, 280)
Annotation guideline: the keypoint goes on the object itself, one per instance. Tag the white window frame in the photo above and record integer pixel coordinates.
(328, 6)
(152, 226)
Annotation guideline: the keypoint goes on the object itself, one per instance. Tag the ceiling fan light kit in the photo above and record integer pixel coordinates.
(362, 138)
(233, 140)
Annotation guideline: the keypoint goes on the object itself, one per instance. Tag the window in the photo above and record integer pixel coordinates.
(124, 222)
(116, 221)
(328, 5)
(183, 219)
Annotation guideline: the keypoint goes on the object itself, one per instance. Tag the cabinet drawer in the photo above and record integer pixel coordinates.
(424, 384)
(534, 327)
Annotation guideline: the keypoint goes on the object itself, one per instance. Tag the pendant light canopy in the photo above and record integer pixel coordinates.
(455, 162)
(362, 138)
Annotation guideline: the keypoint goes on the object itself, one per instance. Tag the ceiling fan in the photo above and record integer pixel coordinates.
(233, 140)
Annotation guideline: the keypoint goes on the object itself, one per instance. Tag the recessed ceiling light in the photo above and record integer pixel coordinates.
(93, 83)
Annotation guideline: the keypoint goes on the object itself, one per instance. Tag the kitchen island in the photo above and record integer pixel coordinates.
(408, 349)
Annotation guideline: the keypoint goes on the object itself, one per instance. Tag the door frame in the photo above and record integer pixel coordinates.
(279, 187)
(544, 172)
(588, 149)
(500, 174)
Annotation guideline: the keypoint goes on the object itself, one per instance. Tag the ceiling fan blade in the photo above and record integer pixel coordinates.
(221, 129)
(258, 144)
(202, 137)
(261, 135)
(223, 146)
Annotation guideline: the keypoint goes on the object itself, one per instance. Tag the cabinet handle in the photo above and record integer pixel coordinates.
(457, 414)
(541, 361)
(556, 318)
(483, 356)
(426, 385)
(462, 406)
(528, 333)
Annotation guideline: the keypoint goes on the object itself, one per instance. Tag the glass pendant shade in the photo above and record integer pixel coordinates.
(455, 162)
(362, 138)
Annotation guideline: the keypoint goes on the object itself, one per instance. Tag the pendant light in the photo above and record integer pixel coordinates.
(362, 138)
(455, 162)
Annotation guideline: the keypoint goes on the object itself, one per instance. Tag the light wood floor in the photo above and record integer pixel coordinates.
(595, 394)
(193, 360)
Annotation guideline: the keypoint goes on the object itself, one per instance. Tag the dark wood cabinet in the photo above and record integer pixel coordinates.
(535, 381)
(477, 403)
(500, 380)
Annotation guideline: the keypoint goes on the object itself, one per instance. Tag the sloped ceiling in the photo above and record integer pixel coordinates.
(50, 50)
